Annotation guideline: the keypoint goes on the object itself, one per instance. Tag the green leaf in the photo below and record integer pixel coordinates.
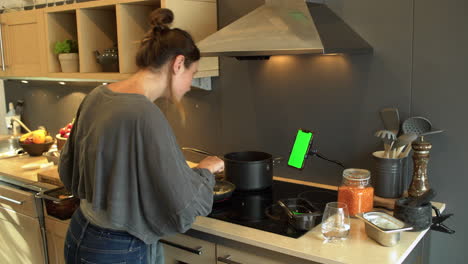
(66, 46)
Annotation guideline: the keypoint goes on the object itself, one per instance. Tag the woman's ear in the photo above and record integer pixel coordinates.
(178, 65)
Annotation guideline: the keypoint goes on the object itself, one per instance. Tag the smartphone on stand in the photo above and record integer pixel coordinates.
(300, 148)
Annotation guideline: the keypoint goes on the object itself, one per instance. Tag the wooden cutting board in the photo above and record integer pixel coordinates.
(11, 167)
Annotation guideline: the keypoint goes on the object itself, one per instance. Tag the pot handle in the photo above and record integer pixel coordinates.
(277, 161)
(199, 151)
(286, 209)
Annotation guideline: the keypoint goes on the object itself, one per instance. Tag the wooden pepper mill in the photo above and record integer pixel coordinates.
(419, 183)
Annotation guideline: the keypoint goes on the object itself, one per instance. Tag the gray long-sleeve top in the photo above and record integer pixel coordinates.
(123, 158)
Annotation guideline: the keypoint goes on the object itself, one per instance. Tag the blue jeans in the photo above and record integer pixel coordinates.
(88, 243)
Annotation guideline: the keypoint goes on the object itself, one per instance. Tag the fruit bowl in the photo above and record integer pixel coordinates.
(36, 149)
(60, 141)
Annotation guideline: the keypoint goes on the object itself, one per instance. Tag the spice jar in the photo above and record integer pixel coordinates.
(356, 191)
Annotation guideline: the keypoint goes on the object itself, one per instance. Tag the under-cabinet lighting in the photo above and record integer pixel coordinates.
(104, 83)
(62, 83)
(24, 81)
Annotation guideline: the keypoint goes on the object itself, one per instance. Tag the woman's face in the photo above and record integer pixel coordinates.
(182, 80)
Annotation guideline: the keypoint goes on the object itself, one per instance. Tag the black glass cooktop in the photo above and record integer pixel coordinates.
(249, 208)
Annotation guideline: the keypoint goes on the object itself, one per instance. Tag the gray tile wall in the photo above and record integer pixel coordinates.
(419, 65)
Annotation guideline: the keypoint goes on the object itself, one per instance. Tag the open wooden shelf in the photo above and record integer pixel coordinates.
(132, 24)
(97, 30)
(104, 24)
(60, 26)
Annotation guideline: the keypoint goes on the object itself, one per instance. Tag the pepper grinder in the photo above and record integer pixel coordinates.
(419, 183)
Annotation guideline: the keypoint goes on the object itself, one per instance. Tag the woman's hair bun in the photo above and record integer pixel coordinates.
(160, 19)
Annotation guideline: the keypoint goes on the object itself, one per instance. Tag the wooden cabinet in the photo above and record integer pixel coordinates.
(23, 43)
(56, 231)
(187, 249)
(245, 254)
(205, 12)
(100, 25)
(21, 238)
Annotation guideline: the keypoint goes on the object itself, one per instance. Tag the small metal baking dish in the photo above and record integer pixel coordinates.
(59, 202)
(383, 228)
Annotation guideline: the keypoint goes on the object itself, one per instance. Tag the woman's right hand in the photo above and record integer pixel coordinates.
(212, 163)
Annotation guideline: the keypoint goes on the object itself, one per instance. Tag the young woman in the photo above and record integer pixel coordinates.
(122, 159)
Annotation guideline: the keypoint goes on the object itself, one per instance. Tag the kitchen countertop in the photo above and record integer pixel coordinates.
(357, 248)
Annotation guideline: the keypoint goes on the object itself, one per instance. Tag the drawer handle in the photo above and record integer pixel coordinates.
(227, 259)
(196, 251)
(2, 53)
(11, 200)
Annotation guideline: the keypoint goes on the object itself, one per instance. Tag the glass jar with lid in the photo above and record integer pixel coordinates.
(356, 191)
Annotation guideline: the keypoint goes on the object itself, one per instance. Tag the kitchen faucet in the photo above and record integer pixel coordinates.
(15, 130)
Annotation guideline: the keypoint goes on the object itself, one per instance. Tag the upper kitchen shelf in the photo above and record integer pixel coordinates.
(119, 24)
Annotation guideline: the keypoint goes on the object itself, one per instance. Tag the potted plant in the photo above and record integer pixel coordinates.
(67, 52)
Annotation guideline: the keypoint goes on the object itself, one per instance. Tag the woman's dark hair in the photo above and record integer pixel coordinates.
(162, 44)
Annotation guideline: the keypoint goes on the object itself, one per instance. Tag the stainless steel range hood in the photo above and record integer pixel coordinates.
(285, 27)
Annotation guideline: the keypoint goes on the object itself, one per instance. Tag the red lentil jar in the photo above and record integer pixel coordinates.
(356, 191)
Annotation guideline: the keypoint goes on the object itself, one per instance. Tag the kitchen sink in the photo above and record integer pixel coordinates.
(9, 146)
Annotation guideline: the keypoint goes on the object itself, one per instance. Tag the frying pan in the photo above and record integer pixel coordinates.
(223, 190)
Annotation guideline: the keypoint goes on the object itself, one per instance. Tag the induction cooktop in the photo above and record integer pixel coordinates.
(250, 208)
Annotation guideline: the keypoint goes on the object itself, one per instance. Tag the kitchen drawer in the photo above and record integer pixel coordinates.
(183, 250)
(245, 254)
(17, 200)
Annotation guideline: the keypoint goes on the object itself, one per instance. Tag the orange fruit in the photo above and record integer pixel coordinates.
(38, 138)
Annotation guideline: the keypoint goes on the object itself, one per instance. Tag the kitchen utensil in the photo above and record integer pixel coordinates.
(419, 182)
(402, 141)
(385, 134)
(35, 166)
(383, 228)
(335, 221)
(420, 126)
(388, 138)
(248, 170)
(391, 119)
(389, 176)
(223, 190)
(302, 215)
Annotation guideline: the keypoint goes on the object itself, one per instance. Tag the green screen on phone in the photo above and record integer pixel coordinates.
(300, 149)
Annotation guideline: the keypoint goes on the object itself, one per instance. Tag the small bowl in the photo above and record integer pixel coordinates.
(36, 149)
(52, 156)
(60, 141)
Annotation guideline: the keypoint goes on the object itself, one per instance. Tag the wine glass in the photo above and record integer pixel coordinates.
(335, 221)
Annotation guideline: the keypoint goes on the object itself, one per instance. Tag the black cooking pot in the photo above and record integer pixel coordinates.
(248, 170)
